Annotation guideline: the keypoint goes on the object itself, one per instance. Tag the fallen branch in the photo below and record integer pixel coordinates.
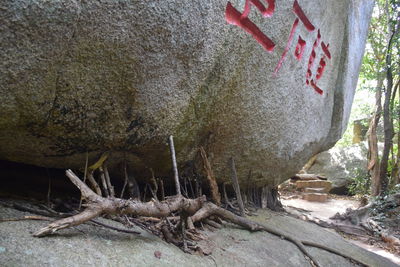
(198, 209)
(98, 205)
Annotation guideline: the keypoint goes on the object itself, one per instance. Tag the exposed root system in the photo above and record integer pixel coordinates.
(191, 211)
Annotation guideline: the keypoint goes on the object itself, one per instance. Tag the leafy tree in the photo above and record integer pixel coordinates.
(381, 64)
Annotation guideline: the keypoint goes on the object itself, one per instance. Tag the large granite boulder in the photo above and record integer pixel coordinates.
(341, 165)
(122, 76)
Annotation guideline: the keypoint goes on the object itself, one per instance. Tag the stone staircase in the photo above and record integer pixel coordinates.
(314, 190)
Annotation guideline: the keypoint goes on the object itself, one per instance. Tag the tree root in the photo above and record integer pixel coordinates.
(196, 209)
(98, 205)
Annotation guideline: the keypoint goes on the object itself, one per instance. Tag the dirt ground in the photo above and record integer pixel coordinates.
(295, 205)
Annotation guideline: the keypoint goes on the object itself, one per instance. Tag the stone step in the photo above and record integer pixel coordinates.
(315, 190)
(314, 184)
(315, 197)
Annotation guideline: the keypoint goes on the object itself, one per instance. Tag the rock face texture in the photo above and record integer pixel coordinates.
(342, 165)
(269, 87)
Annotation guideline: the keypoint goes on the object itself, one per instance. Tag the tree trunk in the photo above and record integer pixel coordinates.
(397, 176)
(373, 157)
(388, 136)
(396, 168)
(387, 112)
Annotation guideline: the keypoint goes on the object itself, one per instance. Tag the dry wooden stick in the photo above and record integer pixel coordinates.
(125, 180)
(103, 182)
(228, 203)
(93, 182)
(133, 188)
(84, 176)
(309, 164)
(174, 165)
(153, 185)
(215, 196)
(236, 186)
(197, 208)
(108, 182)
(98, 205)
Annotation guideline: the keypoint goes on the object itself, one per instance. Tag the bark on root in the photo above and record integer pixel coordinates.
(197, 209)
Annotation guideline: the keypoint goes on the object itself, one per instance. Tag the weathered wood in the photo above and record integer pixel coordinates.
(153, 186)
(236, 186)
(99, 205)
(133, 188)
(125, 180)
(174, 165)
(309, 164)
(197, 208)
(273, 201)
(162, 189)
(215, 196)
(103, 182)
(108, 182)
(93, 182)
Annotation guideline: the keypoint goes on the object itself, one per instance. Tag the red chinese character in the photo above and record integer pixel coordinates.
(313, 55)
(301, 43)
(233, 16)
(299, 51)
(321, 65)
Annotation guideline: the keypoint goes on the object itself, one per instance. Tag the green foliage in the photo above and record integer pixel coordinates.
(383, 23)
(361, 184)
(379, 74)
(362, 108)
(395, 189)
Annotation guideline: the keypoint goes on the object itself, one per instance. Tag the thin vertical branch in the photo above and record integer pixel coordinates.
(103, 182)
(174, 165)
(108, 181)
(162, 189)
(84, 176)
(236, 186)
(153, 181)
(215, 196)
(125, 180)
(93, 182)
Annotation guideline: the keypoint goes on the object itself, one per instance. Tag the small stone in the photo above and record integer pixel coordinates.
(157, 254)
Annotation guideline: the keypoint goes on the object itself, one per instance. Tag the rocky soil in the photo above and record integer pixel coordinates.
(229, 246)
